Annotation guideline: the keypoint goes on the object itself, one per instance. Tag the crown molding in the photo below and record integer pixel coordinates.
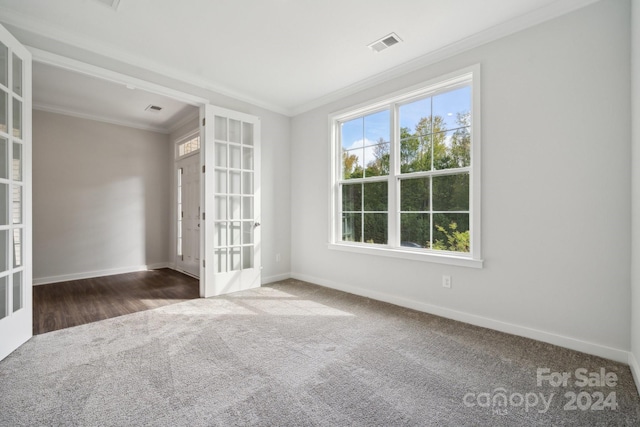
(96, 118)
(177, 125)
(41, 28)
(44, 29)
(513, 26)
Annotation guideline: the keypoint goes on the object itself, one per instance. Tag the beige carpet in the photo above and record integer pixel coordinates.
(295, 354)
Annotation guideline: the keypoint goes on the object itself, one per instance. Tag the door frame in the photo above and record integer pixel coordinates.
(176, 160)
(17, 326)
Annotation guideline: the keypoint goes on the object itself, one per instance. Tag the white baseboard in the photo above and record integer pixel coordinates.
(276, 278)
(615, 354)
(635, 370)
(98, 273)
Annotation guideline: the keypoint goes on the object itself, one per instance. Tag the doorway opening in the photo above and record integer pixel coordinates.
(188, 208)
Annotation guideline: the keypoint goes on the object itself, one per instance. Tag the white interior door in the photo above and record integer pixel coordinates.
(231, 193)
(189, 215)
(15, 194)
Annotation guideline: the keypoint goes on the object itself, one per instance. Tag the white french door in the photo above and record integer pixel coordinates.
(189, 215)
(15, 194)
(231, 197)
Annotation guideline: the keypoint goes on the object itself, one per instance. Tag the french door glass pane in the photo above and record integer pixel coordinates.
(234, 207)
(234, 259)
(4, 158)
(235, 233)
(247, 232)
(414, 194)
(17, 247)
(4, 65)
(220, 128)
(234, 182)
(235, 157)
(4, 204)
(234, 131)
(247, 183)
(247, 257)
(17, 161)
(375, 228)
(247, 133)
(221, 260)
(221, 234)
(4, 297)
(247, 158)
(16, 208)
(221, 154)
(4, 250)
(221, 181)
(17, 291)
(221, 207)
(17, 118)
(247, 207)
(415, 230)
(4, 112)
(451, 232)
(451, 192)
(17, 75)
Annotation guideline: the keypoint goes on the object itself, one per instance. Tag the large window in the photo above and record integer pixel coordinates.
(406, 174)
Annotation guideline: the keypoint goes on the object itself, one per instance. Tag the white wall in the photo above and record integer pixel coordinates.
(556, 184)
(635, 167)
(100, 198)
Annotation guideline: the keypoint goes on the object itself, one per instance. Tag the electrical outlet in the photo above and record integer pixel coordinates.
(446, 282)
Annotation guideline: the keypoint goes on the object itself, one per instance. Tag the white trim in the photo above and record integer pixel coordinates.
(99, 273)
(97, 118)
(606, 352)
(184, 121)
(43, 28)
(445, 258)
(55, 60)
(468, 76)
(275, 278)
(635, 370)
(551, 11)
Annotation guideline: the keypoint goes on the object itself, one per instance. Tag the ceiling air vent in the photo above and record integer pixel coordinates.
(385, 42)
(153, 108)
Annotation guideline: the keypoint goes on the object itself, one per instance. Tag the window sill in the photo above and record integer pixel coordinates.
(457, 260)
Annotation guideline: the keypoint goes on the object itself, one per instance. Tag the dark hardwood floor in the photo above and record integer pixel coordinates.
(62, 305)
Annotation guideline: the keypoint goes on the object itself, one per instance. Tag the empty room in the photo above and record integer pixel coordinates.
(320, 212)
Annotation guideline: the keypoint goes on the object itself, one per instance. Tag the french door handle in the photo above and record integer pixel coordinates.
(256, 224)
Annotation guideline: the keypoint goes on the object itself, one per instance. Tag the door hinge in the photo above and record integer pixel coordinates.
(204, 120)
(204, 264)
(203, 168)
(182, 257)
(203, 216)
(182, 214)
(181, 171)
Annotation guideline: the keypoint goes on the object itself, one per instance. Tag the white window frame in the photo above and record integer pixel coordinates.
(183, 140)
(468, 76)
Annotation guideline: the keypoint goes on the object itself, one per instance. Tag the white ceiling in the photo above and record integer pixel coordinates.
(285, 55)
(59, 90)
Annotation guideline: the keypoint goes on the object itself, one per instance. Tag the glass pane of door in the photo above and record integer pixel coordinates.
(234, 185)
